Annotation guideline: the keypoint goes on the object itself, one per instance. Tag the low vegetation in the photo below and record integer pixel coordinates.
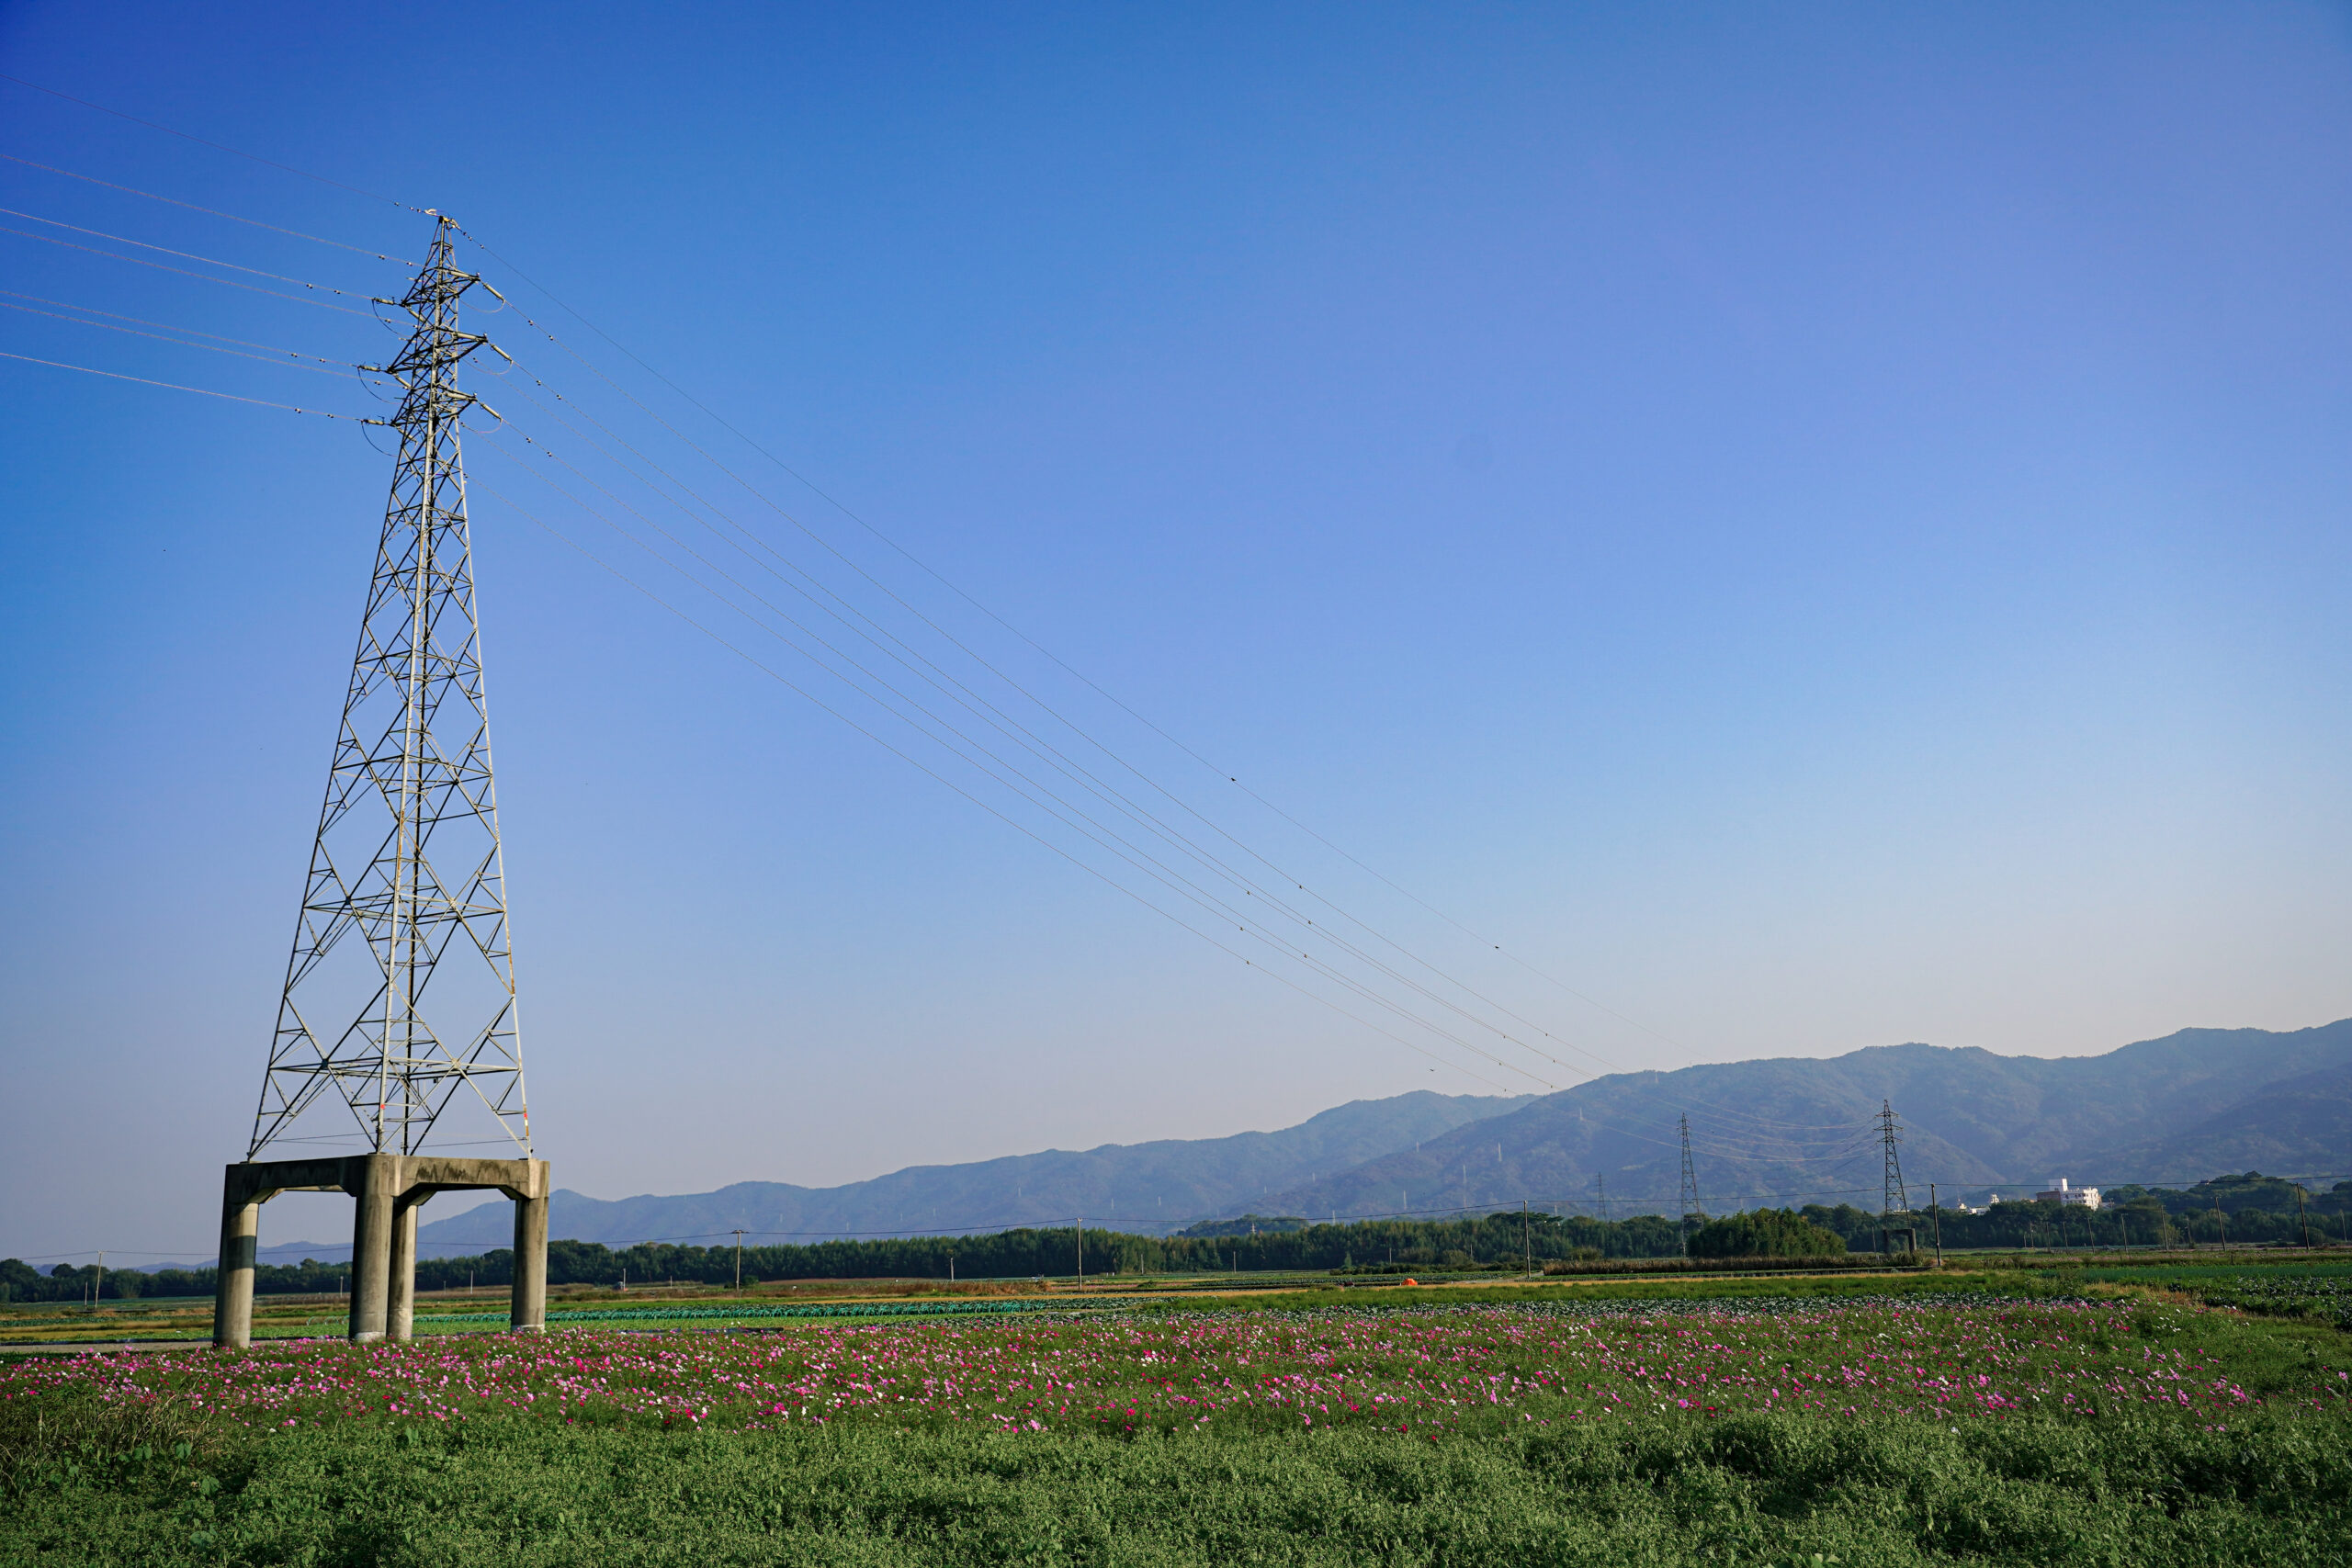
(1702, 1420)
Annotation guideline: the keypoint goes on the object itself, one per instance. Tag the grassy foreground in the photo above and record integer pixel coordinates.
(1748, 1489)
(1850, 1425)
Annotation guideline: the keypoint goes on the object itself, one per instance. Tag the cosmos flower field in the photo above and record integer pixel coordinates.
(1560, 1428)
(1409, 1370)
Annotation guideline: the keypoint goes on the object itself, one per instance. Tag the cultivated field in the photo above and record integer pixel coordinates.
(1950, 1418)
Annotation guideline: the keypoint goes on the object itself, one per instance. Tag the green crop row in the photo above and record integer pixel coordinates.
(1756, 1489)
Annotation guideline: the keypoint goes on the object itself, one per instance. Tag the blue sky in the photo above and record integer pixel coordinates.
(1816, 526)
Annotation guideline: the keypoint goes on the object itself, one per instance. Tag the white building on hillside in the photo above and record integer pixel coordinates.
(2075, 1197)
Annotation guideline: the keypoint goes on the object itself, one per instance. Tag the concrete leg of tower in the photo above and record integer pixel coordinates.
(402, 1323)
(388, 1189)
(377, 1178)
(232, 1296)
(529, 1312)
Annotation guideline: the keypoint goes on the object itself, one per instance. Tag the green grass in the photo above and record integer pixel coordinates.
(1752, 1489)
(669, 1448)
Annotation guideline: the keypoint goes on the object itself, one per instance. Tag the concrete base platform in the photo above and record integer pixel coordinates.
(390, 1190)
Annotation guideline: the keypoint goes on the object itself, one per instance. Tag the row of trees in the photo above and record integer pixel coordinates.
(2251, 1209)
(1491, 1240)
(20, 1282)
(1487, 1241)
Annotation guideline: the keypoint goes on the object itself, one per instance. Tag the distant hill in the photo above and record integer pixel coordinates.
(1151, 1188)
(1792, 1130)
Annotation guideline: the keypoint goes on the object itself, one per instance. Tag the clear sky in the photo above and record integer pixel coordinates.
(1816, 526)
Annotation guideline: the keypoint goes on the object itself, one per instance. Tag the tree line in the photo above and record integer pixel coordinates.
(2246, 1209)
(1023, 1253)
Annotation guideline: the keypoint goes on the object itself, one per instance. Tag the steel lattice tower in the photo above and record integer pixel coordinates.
(1690, 1182)
(1895, 1201)
(406, 864)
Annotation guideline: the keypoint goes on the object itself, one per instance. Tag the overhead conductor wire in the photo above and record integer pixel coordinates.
(789, 685)
(961, 693)
(799, 478)
(995, 716)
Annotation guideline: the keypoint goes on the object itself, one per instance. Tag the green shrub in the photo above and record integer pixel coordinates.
(1764, 1233)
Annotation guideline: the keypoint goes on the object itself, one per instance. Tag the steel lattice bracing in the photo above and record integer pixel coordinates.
(401, 988)
(1691, 1206)
(1897, 1201)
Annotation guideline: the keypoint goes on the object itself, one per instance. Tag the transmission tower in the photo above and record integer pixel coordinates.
(406, 864)
(1600, 1186)
(1895, 1201)
(406, 896)
(1690, 1182)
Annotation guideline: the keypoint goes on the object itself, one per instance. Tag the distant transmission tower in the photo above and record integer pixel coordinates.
(399, 994)
(406, 860)
(1690, 1182)
(1896, 1201)
(1600, 1186)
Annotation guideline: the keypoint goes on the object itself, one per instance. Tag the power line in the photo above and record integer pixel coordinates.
(209, 211)
(1017, 826)
(1037, 792)
(1145, 819)
(175, 386)
(321, 368)
(206, 276)
(963, 696)
(166, 326)
(1031, 742)
(1161, 872)
(960, 592)
(184, 255)
(995, 716)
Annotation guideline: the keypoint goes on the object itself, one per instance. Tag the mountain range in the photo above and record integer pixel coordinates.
(2166, 1112)
(1150, 1188)
(1790, 1130)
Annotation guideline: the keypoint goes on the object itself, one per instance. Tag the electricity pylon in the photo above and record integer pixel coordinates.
(1896, 1201)
(1690, 1184)
(407, 886)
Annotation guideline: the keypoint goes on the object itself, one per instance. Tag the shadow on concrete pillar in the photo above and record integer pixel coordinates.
(401, 1325)
(232, 1296)
(529, 1312)
(371, 1247)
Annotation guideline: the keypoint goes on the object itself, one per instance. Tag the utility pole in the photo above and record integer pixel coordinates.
(2303, 1227)
(101, 1288)
(1690, 1185)
(1936, 1223)
(738, 1258)
(1527, 1238)
(1081, 1251)
(1894, 1200)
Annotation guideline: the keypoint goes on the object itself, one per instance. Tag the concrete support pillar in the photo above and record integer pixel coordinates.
(401, 1321)
(530, 1309)
(371, 1247)
(233, 1291)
